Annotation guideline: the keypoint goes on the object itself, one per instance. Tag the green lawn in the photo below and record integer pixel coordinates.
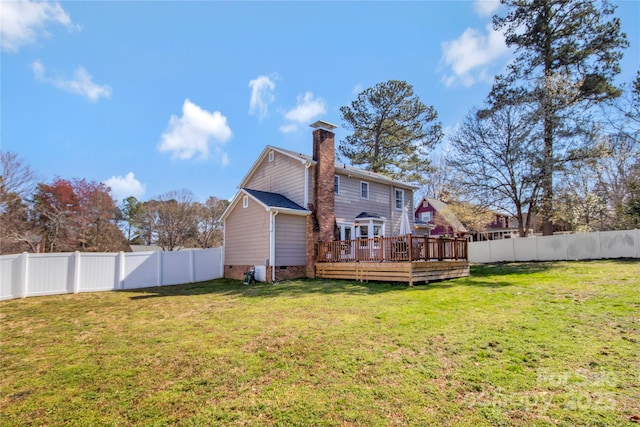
(514, 344)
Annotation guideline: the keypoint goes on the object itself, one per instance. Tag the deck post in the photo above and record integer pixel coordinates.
(426, 248)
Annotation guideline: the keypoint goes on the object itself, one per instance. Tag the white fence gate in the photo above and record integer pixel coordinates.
(25, 275)
(579, 246)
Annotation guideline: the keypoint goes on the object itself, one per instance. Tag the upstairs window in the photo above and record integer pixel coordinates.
(336, 184)
(271, 156)
(399, 199)
(245, 201)
(426, 216)
(364, 190)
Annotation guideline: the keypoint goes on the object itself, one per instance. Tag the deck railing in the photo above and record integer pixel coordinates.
(393, 249)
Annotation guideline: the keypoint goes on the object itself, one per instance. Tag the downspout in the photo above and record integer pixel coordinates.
(272, 245)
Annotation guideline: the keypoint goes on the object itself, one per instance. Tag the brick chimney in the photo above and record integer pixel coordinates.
(321, 223)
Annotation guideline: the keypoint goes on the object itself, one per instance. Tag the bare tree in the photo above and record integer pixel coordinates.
(17, 177)
(172, 219)
(210, 230)
(438, 183)
(578, 205)
(594, 194)
(17, 182)
(492, 158)
(461, 216)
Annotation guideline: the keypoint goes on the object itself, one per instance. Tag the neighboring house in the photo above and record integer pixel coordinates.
(288, 201)
(502, 226)
(434, 219)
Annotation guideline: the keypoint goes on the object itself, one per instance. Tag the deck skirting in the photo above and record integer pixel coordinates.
(406, 272)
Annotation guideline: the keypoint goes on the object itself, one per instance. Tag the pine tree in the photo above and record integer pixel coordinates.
(567, 53)
(393, 131)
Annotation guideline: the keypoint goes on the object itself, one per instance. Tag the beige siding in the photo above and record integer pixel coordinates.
(381, 201)
(291, 240)
(247, 235)
(283, 175)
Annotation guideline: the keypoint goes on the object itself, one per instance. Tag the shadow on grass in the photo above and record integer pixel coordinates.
(483, 276)
(532, 267)
(289, 288)
(298, 287)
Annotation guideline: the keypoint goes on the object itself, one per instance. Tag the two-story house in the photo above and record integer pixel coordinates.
(288, 202)
(434, 215)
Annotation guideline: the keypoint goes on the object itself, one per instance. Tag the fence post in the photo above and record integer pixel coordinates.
(24, 275)
(120, 271)
(426, 248)
(159, 272)
(76, 272)
(192, 265)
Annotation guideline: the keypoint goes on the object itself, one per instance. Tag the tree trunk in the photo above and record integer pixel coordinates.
(548, 118)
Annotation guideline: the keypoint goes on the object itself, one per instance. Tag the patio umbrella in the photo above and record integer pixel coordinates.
(405, 225)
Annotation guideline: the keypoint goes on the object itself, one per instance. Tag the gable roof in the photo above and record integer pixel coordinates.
(370, 215)
(270, 201)
(274, 200)
(450, 217)
(304, 159)
(340, 168)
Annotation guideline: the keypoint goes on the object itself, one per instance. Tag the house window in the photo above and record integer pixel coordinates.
(245, 202)
(364, 190)
(399, 199)
(426, 216)
(271, 156)
(364, 231)
(336, 184)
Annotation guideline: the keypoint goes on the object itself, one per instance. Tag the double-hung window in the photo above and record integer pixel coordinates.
(364, 190)
(399, 199)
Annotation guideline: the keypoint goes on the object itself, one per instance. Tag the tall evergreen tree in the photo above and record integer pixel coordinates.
(567, 53)
(393, 131)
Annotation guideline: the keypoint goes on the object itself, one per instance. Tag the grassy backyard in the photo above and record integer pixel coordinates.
(514, 344)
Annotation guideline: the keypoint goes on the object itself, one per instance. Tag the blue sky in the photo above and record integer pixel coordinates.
(152, 97)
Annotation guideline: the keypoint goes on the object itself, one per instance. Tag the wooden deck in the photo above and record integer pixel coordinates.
(405, 259)
(410, 272)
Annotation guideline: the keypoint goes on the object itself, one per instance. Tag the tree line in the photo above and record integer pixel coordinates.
(69, 215)
(556, 141)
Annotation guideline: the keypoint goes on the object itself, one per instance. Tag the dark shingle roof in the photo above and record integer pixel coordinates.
(274, 200)
(369, 215)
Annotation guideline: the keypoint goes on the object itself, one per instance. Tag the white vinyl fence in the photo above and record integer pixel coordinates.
(579, 246)
(25, 275)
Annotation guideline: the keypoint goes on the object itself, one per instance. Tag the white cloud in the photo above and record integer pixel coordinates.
(307, 109)
(81, 84)
(190, 134)
(486, 7)
(288, 128)
(23, 21)
(261, 96)
(471, 54)
(125, 186)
